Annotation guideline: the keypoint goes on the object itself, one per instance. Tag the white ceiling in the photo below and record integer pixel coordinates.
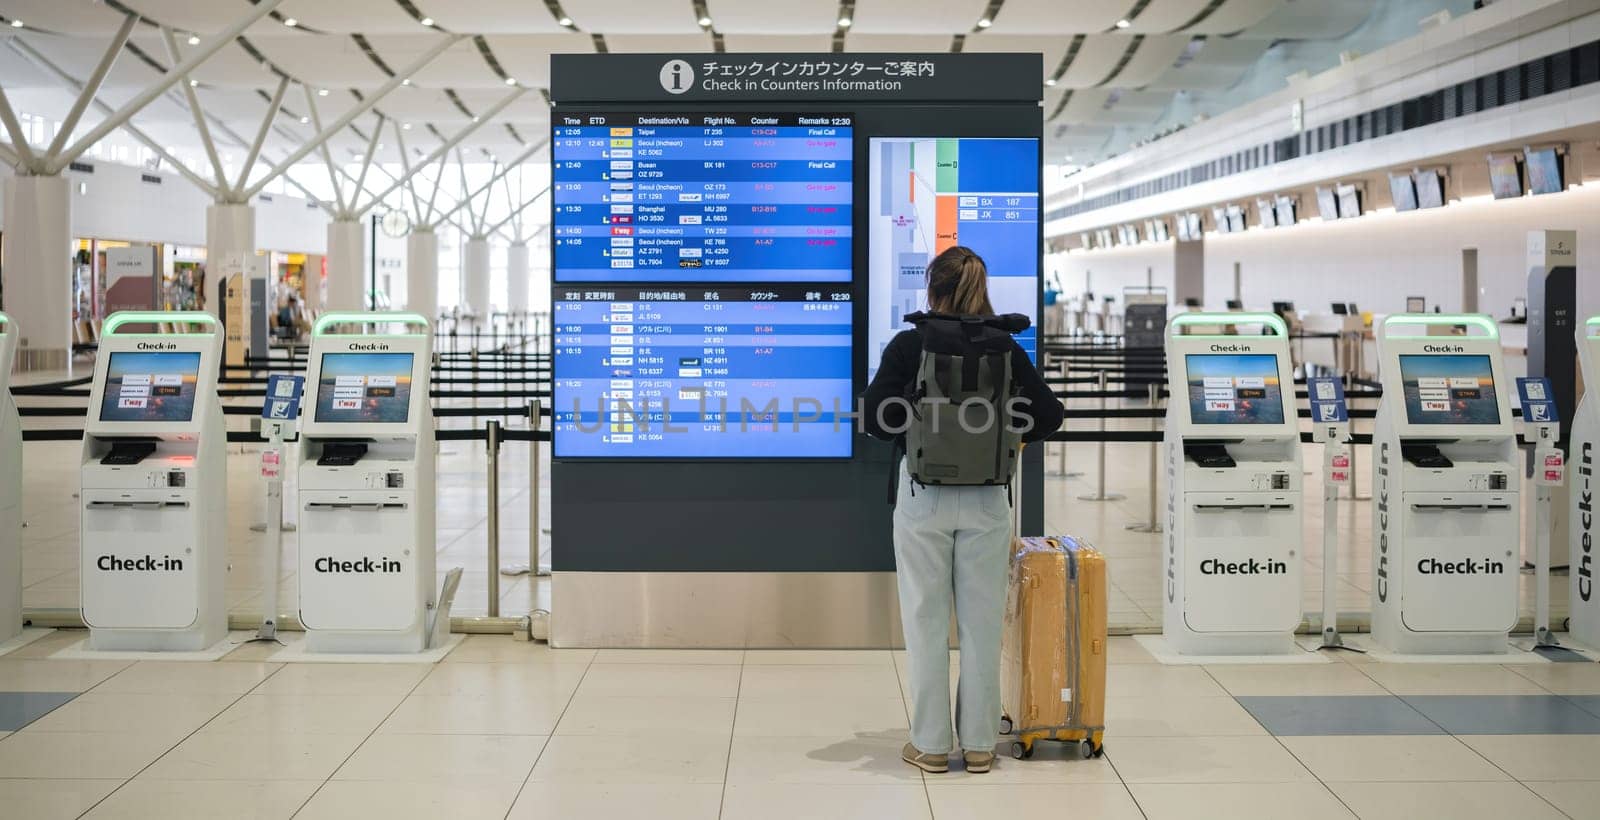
(323, 51)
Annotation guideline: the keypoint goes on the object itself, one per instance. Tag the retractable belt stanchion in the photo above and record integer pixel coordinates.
(1541, 427)
(1330, 427)
(10, 491)
(1153, 524)
(1100, 493)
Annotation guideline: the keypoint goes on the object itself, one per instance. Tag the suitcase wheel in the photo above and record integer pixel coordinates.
(1089, 750)
(1021, 750)
(1005, 725)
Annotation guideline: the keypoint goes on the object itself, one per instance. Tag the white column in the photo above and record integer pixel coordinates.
(347, 278)
(230, 243)
(517, 284)
(422, 273)
(475, 270)
(37, 261)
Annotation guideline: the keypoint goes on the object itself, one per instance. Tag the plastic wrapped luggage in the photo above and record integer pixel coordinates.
(1053, 660)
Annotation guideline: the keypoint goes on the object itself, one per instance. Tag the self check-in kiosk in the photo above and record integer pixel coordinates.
(10, 491)
(1233, 550)
(1583, 601)
(153, 496)
(1446, 489)
(366, 465)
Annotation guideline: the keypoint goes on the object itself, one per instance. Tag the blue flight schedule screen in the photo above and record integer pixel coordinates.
(703, 371)
(752, 198)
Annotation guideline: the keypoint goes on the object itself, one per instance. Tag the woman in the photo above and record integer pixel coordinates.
(952, 541)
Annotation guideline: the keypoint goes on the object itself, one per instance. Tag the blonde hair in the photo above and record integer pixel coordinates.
(958, 283)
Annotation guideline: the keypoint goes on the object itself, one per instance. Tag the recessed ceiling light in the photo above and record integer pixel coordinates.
(474, 119)
(511, 81)
(16, 24)
(985, 22)
(322, 92)
(1051, 81)
(844, 22)
(565, 21)
(427, 21)
(406, 81)
(194, 83)
(705, 22)
(304, 120)
(380, 146)
(405, 126)
(1124, 23)
(290, 22)
(194, 39)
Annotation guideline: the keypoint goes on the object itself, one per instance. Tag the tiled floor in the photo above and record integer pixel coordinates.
(504, 729)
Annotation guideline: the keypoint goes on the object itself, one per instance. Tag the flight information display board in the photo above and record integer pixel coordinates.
(927, 194)
(657, 198)
(709, 371)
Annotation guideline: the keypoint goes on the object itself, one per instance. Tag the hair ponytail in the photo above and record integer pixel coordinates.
(958, 283)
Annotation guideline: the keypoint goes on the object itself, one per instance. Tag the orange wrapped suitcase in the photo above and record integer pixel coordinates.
(1053, 660)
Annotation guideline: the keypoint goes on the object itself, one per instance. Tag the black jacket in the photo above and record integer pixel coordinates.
(898, 371)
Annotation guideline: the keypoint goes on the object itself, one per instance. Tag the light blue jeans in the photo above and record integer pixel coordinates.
(952, 543)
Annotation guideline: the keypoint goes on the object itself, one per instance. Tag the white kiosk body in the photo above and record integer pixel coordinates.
(366, 464)
(1232, 445)
(1583, 602)
(1446, 478)
(10, 491)
(153, 536)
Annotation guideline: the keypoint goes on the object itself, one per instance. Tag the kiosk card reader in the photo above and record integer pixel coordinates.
(366, 465)
(1233, 569)
(1446, 484)
(10, 491)
(153, 540)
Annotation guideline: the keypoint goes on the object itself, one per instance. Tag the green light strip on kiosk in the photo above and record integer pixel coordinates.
(1483, 323)
(1271, 320)
(175, 317)
(327, 320)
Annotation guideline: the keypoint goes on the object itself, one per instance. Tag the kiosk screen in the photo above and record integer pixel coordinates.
(147, 387)
(1445, 389)
(1234, 388)
(364, 388)
(702, 198)
(926, 194)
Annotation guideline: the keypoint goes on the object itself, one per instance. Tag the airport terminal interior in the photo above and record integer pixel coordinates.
(460, 408)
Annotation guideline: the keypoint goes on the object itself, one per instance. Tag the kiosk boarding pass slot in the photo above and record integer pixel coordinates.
(1447, 488)
(153, 478)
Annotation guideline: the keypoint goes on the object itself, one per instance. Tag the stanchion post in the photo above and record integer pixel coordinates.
(1153, 525)
(1100, 493)
(493, 426)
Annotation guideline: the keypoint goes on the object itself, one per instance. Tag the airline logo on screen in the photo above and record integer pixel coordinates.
(677, 76)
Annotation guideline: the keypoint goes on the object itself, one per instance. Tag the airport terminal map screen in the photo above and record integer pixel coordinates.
(1234, 388)
(156, 387)
(364, 388)
(1449, 389)
(708, 371)
(671, 198)
(927, 194)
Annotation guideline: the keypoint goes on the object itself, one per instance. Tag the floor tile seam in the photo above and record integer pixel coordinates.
(1314, 775)
(374, 731)
(1400, 697)
(733, 732)
(180, 741)
(905, 706)
(1544, 799)
(550, 737)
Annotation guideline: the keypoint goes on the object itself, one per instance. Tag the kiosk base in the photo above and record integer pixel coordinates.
(1443, 643)
(1233, 643)
(1165, 653)
(144, 640)
(87, 649)
(365, 642)
(28, 635)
